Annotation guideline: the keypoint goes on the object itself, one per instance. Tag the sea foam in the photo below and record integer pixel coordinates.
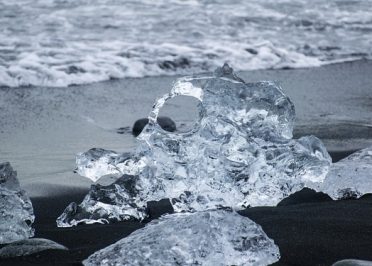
(59, 43)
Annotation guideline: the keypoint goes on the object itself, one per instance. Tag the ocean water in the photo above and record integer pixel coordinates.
(64, 42)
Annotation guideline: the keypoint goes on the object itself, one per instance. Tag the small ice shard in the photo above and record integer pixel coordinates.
(16, 212)
(218, 237)
(115, 202)
(350, 177)
(97, 163)
(240, 153)
(28, 247)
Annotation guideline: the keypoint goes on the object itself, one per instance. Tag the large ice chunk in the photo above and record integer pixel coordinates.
(240, 153)
(216, 237)
(16, 212)
(350, 177)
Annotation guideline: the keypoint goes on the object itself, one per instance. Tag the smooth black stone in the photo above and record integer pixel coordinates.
(165, 122)
(305, 195)
(123, 130)
(178, 63)
(251, 51)
(155, 209)
(352, 262)
(367, 196)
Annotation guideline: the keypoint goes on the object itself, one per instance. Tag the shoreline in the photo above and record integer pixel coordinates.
(44, 128)
(172, 75)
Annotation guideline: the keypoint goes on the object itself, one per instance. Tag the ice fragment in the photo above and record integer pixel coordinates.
(97, 163)
(218, 237)
(16, 212)
(350, 177)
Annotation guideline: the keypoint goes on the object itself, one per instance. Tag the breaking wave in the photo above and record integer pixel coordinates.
(63, 42)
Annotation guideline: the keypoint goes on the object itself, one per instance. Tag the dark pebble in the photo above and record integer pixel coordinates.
(305, 195)
(165, 122)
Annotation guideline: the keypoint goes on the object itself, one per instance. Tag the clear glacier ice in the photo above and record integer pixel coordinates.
(217, 237)
(350, 177)
(240, 153)
(16, 211)
(115, 202)
(28, 246)
(97, 163)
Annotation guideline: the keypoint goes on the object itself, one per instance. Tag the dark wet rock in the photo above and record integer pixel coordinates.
(74, 70)
(177, 63)
(305, 195)
(155, 209)
(251, 51)
(28, 247)
(123, 130)
(328, 48)
(165, 122)
(353, 263)
(367, 196)
(305, 23)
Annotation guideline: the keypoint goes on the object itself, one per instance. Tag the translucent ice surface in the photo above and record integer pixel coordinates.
(115, 202)
(97, 163)
(240, 153)
(16, 212)
(203, 238)
(351, 177)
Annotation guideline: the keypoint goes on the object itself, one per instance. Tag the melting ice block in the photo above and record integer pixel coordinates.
(350, 177)
(216, 237)
(240, 153)
(16, 212)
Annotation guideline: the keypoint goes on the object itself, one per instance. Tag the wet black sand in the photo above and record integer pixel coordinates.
(310, 230)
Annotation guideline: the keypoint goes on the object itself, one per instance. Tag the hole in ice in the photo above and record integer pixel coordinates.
(183, 110)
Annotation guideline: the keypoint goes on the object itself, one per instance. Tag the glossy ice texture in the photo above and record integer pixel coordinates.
(97, 163)
(351, 177)
(16, 212)
(204, 238)
(240, 153)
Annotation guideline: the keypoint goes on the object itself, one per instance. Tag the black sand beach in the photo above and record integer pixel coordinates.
(309, 228)
(43, 128)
